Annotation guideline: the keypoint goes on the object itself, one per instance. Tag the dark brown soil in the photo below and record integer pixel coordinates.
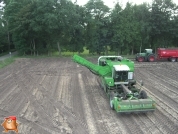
(58, 96)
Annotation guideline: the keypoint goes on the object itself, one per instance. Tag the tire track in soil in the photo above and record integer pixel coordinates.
(149, 126)
(8, 90)
(131, 126)
(35, 109)
(12, 94)
(86, 106)
(109, 119)
(91, 90)
(63, 91)
(164, 104)
(22, 84)
(158, 129)
(74, 120)
(159, 91)
(57, 116)
(169, 73)
(11, 105)
(162, 122)
(165, 121)
(63, 87)
(140, 123)
(170, 82)
(25, 128)
(6, 84)
(18, 101)
(77, 104)
(159, 116)
(115, 122)
(53, 83)
(158, 98)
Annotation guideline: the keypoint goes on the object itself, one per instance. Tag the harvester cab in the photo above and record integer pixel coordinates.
(121, 69)
(116, 76)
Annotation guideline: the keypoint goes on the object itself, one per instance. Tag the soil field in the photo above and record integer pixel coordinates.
(58, 96)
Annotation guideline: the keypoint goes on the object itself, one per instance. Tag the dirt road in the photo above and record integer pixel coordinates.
(58, 96)
(11, 54)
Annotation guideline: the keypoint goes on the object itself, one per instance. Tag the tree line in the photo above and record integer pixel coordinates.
(44, 26)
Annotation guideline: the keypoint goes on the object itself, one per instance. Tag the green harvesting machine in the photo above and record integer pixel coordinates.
(116, 76)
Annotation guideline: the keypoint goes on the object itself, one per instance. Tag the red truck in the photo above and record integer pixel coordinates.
(162, 53)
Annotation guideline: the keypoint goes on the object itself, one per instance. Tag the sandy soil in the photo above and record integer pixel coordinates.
(58, 96)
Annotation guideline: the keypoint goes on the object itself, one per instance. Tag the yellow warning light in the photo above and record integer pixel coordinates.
(153, 105)
(119, 107)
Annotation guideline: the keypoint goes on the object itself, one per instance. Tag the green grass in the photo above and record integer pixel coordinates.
(85, 52)
(6, 62)
(5, 53)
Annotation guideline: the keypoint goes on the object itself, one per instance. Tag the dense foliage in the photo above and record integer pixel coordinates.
(43, 26)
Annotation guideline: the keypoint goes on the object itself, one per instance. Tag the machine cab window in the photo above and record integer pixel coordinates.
(121, 76)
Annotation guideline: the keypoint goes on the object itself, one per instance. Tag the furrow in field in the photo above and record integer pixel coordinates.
(6, 99)
(109, 121)
(146, 124)
(155, 89)
(164, 105)
(49, 103)
(35, 109)
(76, 100)
(167, 117)
(131, 126)
(87, 109)
(92, 88)
(143, 123)
(171, 82)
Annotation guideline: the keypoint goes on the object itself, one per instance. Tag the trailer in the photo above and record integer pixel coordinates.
(171, 54)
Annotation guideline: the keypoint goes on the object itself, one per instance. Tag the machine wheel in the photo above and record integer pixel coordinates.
(151, 58)
(173, 59)
(140, 59)
(111, 97)
(143, 95)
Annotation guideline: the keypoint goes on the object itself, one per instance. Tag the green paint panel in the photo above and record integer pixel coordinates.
(138, 105)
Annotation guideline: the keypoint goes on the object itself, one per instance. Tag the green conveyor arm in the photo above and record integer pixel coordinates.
(100, 70)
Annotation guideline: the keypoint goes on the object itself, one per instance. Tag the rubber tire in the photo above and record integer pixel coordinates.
(173, 59)
(140, 59)
(111, 97)
(136, 58)
(143, 95)
(151, 56)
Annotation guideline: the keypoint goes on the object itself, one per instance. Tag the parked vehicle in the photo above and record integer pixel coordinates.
(116, 76)
(146, 56)
(168, 53)
(162, 53)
